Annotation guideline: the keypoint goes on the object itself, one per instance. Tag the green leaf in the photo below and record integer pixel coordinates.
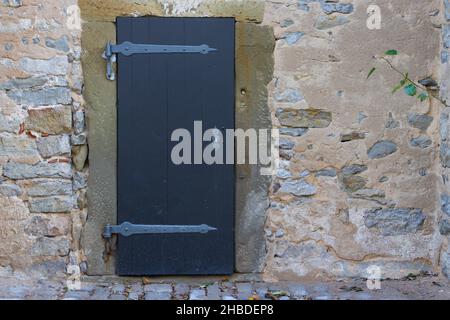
(423, 96)
(391, 52)
(371, 72)
(398, 86)
(410, 90)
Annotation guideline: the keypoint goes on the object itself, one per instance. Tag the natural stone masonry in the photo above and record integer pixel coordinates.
(358, 183)
(382, 149)
(39, 97)
(368, 154)
(396, 221)
(310, 118)
(54, 120)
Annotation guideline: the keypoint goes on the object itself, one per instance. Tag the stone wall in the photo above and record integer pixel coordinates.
(42, 137)
(357, 188)
(364, 173)
(443, 215)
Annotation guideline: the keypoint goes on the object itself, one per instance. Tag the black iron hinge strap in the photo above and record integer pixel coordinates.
(128, 48)
(127, 229)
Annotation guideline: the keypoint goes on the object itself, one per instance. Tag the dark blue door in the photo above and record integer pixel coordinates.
(158, 93)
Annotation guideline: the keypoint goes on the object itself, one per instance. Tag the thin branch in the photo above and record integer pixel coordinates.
(404, 75)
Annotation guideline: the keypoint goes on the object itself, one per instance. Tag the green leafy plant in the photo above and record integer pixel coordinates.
(422, 91)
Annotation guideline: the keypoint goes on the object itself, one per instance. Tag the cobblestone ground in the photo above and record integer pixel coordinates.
(114, 288)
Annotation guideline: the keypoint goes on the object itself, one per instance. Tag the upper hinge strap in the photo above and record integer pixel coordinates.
(128, 48)
(127, 229)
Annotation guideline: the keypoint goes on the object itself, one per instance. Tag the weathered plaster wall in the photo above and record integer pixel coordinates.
(364, 173)
(355, 189)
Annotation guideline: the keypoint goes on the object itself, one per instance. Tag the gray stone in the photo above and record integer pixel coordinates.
(445, 57)
(197, 294)
(292, 37)
(9, 46)
(48, 227)
(118, 289)
(19, 149)
(394, 221)
(447, 9)
(369, 193)
(286, 144)
(79, 139)
(352, 136)
(445, 204)
(79, 180)
(434, 13)
(361, 117)
(10, 190)
(78, 121)
(327, 172)
(298, 188)
(352, 183)
(24, 83)
(444, 227)
(213, 292)
(77, 77)
(51, 120)
(423, 172)
(294, 132)
(53, 146)
(46, 187)
(42, 97)
(445, 262)
(157, 296)
(10, 123)
(50, 247)
(283, 173)
(279, 233)
(421, 142)
(290, 95)
(344, 8)
(445, 139)
(446, 36)
(57, 66)
(53, 204)
(428, 82)
(60, 44)
(304, 174)
(304, 118)
(158, 287)
(353, 169)
(392, 123)
(286, 23)
(41, 170)
(324, 22)
(419, 121)
(382, 149)
(136, 290)
(13, 3)
(181, 291)
(297, 291)
(15, 27)
(244, 290)
(100, 293)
